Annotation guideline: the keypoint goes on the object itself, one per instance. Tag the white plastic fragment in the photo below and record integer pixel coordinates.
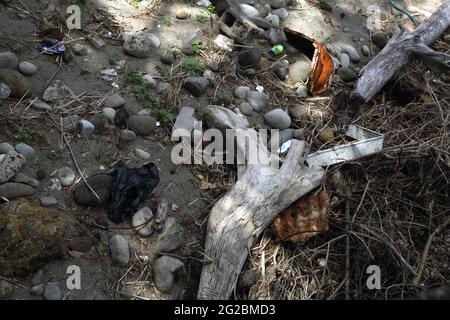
(368, 142)
(260, 89)
(109, 74)
(284, 147)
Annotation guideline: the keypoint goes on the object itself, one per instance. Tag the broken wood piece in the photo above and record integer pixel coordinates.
(436, 61)
(161, 214)
(239, 217)
(397, 53)
(233, 15)
(251, 149)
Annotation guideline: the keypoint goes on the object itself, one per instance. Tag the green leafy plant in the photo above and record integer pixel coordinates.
(191, 67)
(197, 46)
(176, 49)
(166, 21)
(22, 134)
(211, 9)
(135, 3)
(202, 17)
(137, 86)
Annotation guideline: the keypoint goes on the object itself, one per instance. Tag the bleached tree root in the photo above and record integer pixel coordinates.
(245, 211)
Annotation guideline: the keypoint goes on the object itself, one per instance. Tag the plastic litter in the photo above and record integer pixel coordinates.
(108, 74)
(368, 142)
(284, 147)
(50, 48)
(322, 68)
(277, 49)
(305, 218)
(96, 41)
(130, 187)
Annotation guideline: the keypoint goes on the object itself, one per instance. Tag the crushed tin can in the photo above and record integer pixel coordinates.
(322, 67)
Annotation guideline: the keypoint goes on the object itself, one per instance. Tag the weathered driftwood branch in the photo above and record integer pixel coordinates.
(245, 211)
(249, 142)
(400, 49)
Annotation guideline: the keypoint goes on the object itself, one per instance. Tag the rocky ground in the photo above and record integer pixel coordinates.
(74, 116)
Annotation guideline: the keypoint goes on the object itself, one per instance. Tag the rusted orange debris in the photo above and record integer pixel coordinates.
(305, 218)
(322, 68)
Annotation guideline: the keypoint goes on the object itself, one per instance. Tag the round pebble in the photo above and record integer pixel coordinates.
(115, 101)
(278, 119)
(149, 81)
(127, 135)
(52, 291)
(8, 60)
(37, 290)
(164, 270)
(120, 251)
(213, 66)
(167, 57)
(282, 13)
(22, 178)
(352, 53)
(344, 59)
(141, 222)
(27, 68)
(257, 100)
(48, 201)
(41, 106)
(302, 91)
(66, 176)
(109, 113)
(5, 148)
(25, 149)
(246, 109)
(145, 112)
(182, 14)
(274, 20)
(142, 154)
(347, 74)
(86, 127)
(241, 92)
(365, 50)
(326, 134)
(142, 125)
(5, 91)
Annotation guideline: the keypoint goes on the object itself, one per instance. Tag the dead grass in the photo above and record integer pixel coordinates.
(397, 202)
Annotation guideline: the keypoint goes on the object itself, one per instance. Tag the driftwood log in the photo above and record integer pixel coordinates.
(245, 211)
(401, 48)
